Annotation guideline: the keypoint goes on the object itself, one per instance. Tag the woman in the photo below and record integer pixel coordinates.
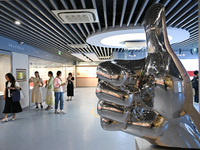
(70, 86)
(58, 89)
(49, 96)
(37, 91)
(10, 106)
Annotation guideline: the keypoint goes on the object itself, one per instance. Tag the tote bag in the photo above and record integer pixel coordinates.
(15, 95)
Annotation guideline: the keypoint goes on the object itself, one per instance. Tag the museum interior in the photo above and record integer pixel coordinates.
(132, 62)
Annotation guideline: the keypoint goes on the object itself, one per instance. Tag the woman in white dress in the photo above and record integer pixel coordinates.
(49, 96)
(37, 91)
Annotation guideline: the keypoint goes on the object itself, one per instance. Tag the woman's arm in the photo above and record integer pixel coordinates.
(17, 86)
(5, 94)
(41, 81)
(50, 83)
(56, 85)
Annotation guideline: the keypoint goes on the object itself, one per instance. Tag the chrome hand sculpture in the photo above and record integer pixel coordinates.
(150, 98)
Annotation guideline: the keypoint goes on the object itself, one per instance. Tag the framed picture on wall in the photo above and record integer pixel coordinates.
(21, 75)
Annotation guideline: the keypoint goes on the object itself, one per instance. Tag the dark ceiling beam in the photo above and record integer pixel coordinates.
(194, 26)
(37, 22)
(189, 21)
(43, 19)
(114, 12)
(31, 26)
(95, 51)
(105, 13)
(170, 7)
(61, 23)
(26, 32)
(95, 7)
(123, 12)
(75, 7)
(79, 26)
(65, 26)
(196, 30)
(176, 10)
(140, 12)
(64, 29)
(84, 6)
(194, 22)
(99, 50)
(132, 12)
(186, 17)
(166, 2)
(183, 12)
(185, 42)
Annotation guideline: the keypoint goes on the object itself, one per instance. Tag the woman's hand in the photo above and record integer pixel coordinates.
(11, 88)
(4, 97)
(63, 84)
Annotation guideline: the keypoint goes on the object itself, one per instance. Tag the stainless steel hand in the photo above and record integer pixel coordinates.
(150, 98)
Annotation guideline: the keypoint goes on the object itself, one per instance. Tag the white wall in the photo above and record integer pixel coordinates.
(20, 61)
(5, 67)
(190, 64)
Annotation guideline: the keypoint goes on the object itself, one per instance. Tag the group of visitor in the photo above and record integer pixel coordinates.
(54, 89)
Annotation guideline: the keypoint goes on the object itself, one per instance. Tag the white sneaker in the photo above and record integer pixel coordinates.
(62, 112)
(56, 112)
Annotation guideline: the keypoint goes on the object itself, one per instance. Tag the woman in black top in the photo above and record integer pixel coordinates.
(70, 86)
(10, 106)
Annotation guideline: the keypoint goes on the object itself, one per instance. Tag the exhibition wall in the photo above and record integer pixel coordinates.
(86, 76)
(5, 67)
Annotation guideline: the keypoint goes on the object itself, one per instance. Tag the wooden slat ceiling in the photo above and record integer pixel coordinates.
(39, 27)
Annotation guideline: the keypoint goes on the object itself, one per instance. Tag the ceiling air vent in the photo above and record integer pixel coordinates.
(77, 16)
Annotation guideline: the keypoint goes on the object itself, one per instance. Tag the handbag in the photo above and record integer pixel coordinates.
(21, 94)
(15, 95)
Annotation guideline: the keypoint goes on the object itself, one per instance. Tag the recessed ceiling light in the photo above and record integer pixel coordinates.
(17, 22)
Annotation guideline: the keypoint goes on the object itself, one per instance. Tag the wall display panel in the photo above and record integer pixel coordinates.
(21, 75)
(86, 71)
(86, 76)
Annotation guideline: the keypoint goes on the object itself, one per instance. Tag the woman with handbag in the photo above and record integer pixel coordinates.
(37, 91)
(49, 96)
(10, 106)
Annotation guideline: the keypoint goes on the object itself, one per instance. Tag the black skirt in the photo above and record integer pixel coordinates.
(12, 107)
(70, 90)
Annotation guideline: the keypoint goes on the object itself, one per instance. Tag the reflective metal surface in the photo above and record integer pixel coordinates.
(150, 98)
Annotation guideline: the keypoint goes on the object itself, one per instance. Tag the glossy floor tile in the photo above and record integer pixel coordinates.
(78, 129)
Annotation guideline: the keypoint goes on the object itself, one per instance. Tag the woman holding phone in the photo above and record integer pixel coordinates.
(37, 91)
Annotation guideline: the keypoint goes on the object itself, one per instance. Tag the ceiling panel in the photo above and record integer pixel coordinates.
(41, 29)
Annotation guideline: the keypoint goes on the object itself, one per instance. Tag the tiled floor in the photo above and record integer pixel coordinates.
(76, 130)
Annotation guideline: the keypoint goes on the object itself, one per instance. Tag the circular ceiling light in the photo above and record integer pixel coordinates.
(17, 22)
(119, 37)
